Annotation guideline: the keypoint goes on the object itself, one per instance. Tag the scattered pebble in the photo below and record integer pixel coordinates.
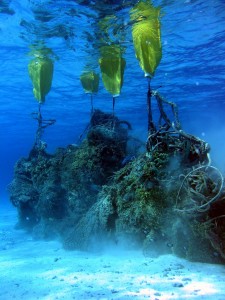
(106, 266)
(114, 291)
(56, 259)
(178, 284)
(186, 279)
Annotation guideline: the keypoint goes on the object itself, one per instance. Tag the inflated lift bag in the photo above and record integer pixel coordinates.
(90, 82)
(41, 73)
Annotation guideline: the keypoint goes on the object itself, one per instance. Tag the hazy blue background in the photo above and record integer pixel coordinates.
(191, 73)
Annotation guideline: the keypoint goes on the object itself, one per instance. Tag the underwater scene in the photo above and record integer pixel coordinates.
(112, 149)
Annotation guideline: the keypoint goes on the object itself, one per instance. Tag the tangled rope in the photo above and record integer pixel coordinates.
(200, 184)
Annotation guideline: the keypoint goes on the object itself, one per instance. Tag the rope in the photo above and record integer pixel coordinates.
(203, 206)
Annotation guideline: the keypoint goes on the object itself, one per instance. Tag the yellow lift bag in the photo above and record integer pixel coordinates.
(41, 73)
(146, 36)
(112, 67)
(90, 82)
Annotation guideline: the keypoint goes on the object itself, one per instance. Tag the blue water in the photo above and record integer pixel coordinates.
(191, 72)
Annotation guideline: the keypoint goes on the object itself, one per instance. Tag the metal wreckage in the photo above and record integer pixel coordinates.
(167, 199)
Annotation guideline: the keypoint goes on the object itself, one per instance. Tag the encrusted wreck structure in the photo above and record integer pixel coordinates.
(167, 199)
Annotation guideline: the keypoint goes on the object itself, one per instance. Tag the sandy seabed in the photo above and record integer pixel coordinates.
(31, 269)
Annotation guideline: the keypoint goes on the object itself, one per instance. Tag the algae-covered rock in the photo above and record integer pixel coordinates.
(138, 208)
(23, 194)
(129, 209)
(93, 231)
(92, 195)
(65, 185)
